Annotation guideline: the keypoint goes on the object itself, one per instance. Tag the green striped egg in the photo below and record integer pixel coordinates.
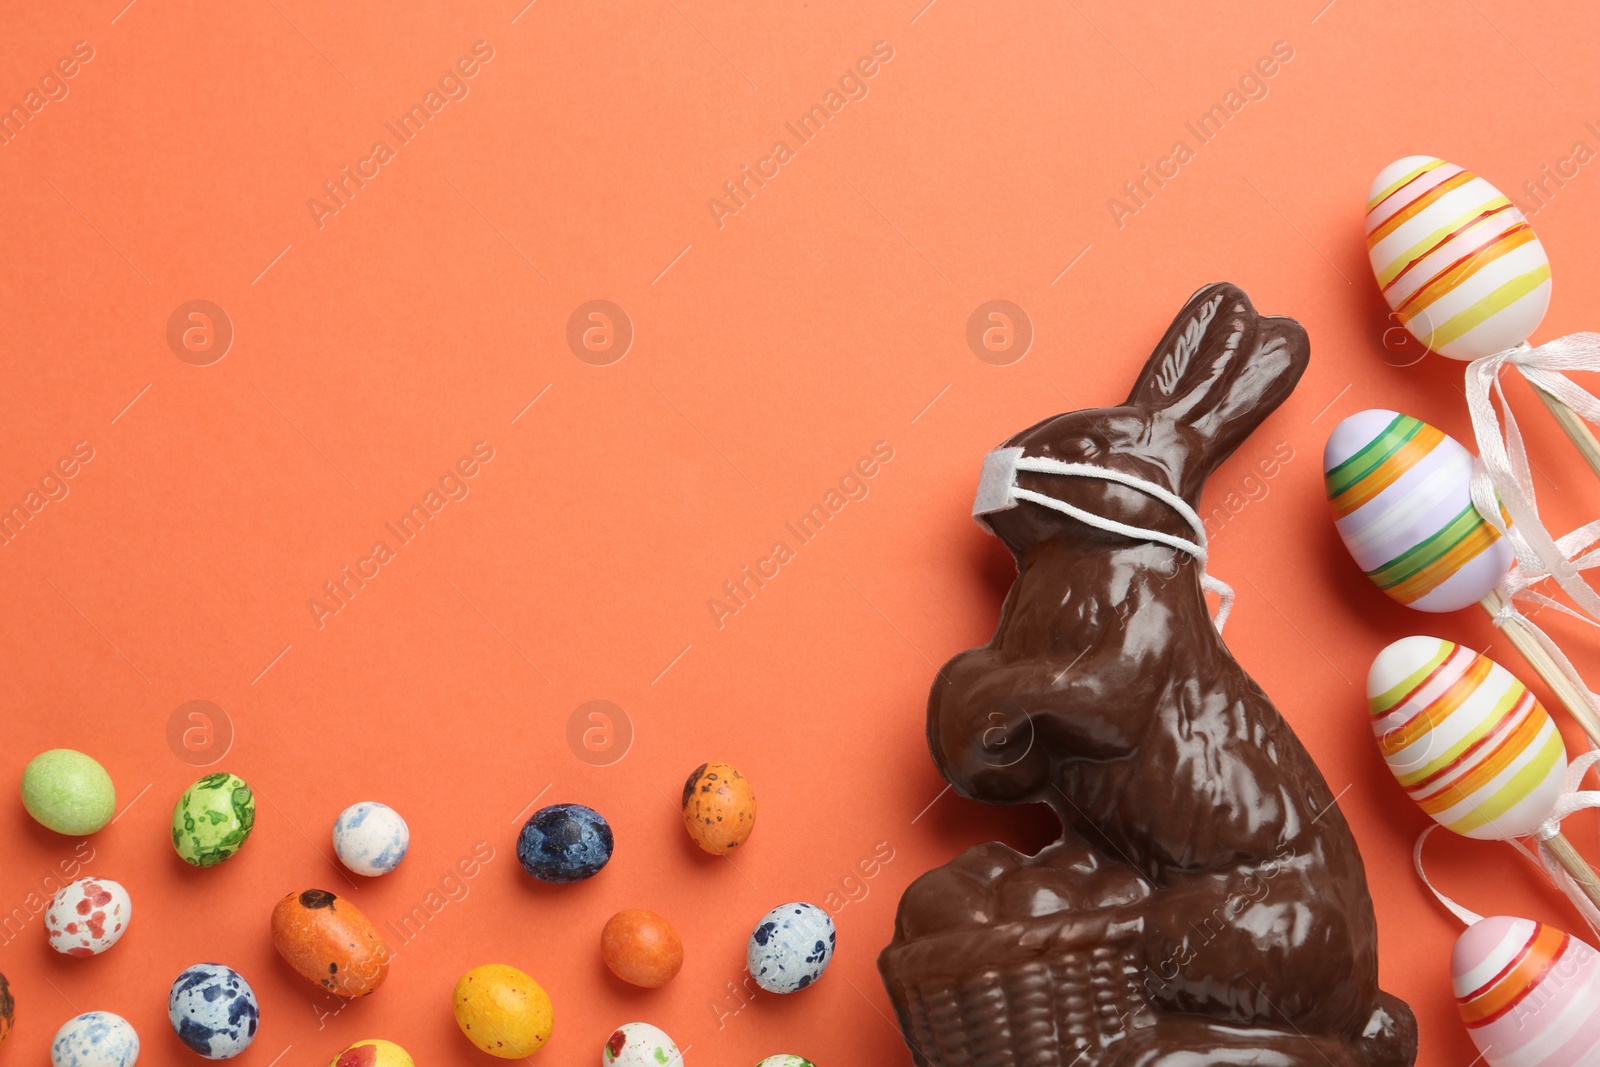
(1401, 495)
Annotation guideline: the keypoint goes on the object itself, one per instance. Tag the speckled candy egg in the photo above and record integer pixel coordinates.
(88, 916)
(503, 1011)
(330, 942)
(214, 1010)
(640, 1045)
(641, 947)
(790, 947)
(8, 1010)
(719, 807)
(1526, 992)
(373, 1052)
(786, 1060)
(95, 1039)
(213, 818)
(68, 792)
(564, 843)
(371, 838)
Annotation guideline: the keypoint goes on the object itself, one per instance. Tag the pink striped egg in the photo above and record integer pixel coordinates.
(1527, 993)
(1465, 738)
(1456, 260)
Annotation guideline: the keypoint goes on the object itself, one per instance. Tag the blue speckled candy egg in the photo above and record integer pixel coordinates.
(564, 843)
(790, 947)
(95, 1039)
(371, 838)
(214, 1010)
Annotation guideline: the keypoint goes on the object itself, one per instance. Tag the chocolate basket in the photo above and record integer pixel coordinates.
(1046, 992)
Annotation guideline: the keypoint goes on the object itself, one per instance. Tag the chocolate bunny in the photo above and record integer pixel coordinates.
(1206, 903)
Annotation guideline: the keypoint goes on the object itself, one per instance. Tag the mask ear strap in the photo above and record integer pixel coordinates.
(1225, 597)
(1044, 465)
(1138, 533)
(998, 490)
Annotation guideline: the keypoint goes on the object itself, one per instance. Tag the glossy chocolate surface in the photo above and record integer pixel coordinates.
(1206, 903)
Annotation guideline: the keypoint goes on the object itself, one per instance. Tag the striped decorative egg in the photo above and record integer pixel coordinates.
(1527, 993)
(1402, 501)
(1466, 740)
(1455, 259)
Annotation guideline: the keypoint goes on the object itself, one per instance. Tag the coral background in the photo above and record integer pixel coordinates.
(773, 347)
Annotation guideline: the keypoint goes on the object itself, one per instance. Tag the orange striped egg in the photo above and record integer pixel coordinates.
(1527, 993)
(1401, 493)
(1466, 740)
(1455, 259)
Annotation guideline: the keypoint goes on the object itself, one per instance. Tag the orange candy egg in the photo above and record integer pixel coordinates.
(641, 947)
(330, 942)
(719, 807)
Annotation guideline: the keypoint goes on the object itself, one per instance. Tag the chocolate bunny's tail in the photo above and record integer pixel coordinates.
(1390, 1037)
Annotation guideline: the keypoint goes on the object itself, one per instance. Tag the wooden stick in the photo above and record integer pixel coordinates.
(1576, 866)
(1525, 642)
(1578, 430)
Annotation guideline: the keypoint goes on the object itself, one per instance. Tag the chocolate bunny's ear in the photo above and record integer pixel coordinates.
(1221, 369)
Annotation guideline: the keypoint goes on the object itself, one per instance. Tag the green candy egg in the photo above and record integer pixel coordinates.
(68, 792)
(213, 818)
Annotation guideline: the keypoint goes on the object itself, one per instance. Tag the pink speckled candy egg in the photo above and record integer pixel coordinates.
(1527, 993)
(88, 916)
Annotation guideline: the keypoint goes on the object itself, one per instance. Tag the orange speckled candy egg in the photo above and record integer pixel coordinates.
(329, 941)
(641, 947)
(373, 1052)
(503, 1011)
(719, 807)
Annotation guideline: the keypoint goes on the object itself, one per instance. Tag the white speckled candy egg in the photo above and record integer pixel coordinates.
(88, 916)
(790, 947)
(214, 1010)
(786, 1060)
(95, 1039)
(371, 838)
(1401, 493)
(640, 1045)
(1455, 259)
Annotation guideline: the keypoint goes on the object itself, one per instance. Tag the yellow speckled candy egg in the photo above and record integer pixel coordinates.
(503, 1011)
(373, 1052)
(719, 807)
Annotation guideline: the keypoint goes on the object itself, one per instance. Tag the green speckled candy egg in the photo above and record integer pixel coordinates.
(68, 792)
(213, 818)
(786, 1061)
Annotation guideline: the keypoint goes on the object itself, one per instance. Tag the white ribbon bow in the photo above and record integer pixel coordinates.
(1572, 799)
(1505, 477)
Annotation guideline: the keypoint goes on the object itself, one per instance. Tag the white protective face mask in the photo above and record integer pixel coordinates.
(998, 491)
